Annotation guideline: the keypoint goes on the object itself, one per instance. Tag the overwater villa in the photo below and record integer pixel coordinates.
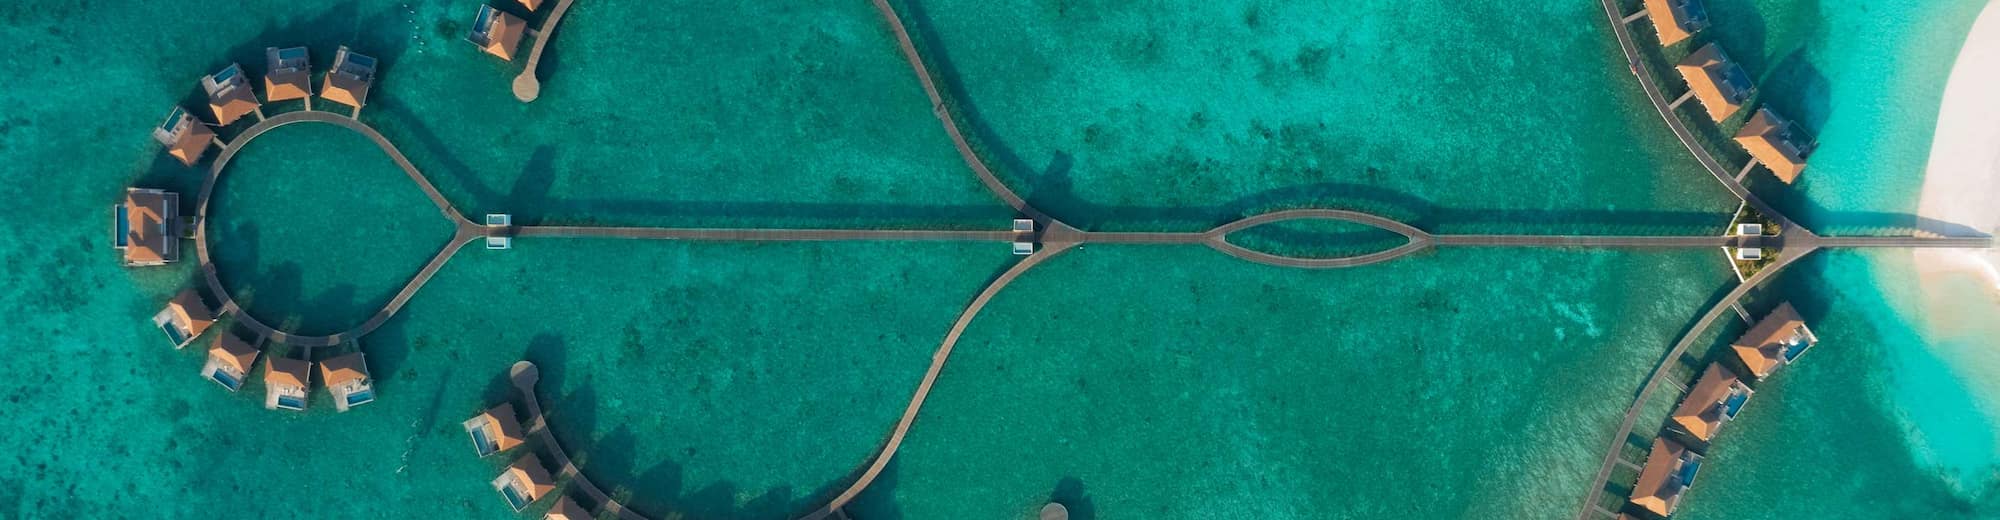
(348, 81)
(285, 383)
(1670, 469)
(532, 5)
(1714, 400)
(566, 509)
(229, 361)
(1676, 20)
(287, 74)
(185, 318)
(495, 431)
(496, 32)
(347, 377)
(229, 95)
(1719, 83)
(143, 227)
(186, 138)
(524, 482)
(1776, 340)
(1775, 142)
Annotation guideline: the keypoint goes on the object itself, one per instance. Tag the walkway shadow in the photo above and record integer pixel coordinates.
(338, 24)
(529, 200)
(878, 501)
(1798, 90)
(1051, 188)
(1071, 494)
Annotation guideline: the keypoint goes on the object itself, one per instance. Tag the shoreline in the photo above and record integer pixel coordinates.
(1962, 176)
(1958, 290)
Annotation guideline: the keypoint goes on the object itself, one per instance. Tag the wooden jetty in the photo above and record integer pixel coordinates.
(526, 86)
(524, 375)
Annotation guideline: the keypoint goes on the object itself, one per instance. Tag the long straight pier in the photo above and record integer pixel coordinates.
(761, 235)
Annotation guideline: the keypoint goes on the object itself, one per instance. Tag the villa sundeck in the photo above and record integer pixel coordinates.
(143, 227)
(185, 318)
(496, 32)
(524, 482)
(1720, 84)
(346, 376)
(229, 95)
(1670, 469)
(1777, 340)
(499, 220)
(229, 361)
(287, 74)
(1776, 143)
(1676, 20)
(495, 431)
(566, 509)
(185, 137)
(1715, 399)
(286, 383)
(348, 81)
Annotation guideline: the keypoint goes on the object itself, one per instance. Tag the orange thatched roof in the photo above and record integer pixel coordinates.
(186, 138)
(1762, 348)
(528, 469)
(347, 83)
(1676, 20)
(1698, 412)
(188, 306)
(1719, 83)
(532, 5)
(342, 369)
(566, 509)
(496, 32)
(504, 429)
(1771, 139)
(287, 74)
(149, 216)
(229, 95)
(233, 351)
(1662, 480)
(281, 371)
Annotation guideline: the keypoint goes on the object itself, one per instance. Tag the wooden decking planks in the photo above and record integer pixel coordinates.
(888, 451)
(526, 86)
(524, 375)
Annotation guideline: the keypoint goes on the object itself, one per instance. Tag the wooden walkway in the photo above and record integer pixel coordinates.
(1799, 243)
(1666, 110)
(1662, 370)
(465, 233)
(526, 86)
(943, 112)
(1055, 237)
(524, 376)
(888, 451)
(764, 235)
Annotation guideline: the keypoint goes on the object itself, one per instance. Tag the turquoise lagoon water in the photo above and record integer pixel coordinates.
(747, 381)
(344, 234)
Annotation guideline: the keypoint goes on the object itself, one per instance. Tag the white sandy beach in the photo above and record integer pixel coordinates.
(1960, 289)
(1961, 189)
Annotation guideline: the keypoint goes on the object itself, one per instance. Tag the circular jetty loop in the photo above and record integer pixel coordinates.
(466, 230)
(526, 87)
(1419, 240)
